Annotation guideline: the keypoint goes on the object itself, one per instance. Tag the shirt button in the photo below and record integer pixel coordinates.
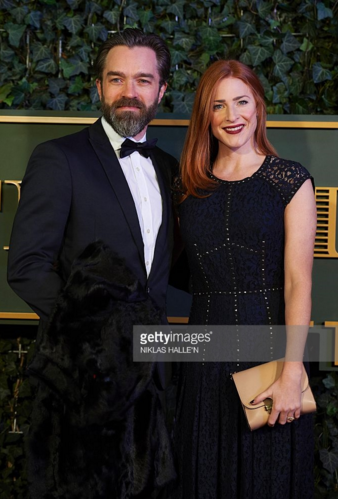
(145, 199)
(148, 231)
(147, 263)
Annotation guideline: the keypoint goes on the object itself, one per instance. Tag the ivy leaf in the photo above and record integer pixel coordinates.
(323, 11)
(6, 53)
(180, 77)
(177, 9)
(96, 31)
(6, 4)
(19, 14)
(15, 32)
(5, 90)
(210, 36)
(184, 40)
(83, 52)
(74, 4)
(306, 46)
(280, 93)
(47, 66)
(25, 389)
(329, 382)
(301, 107)
(176, 56)
(112, 15)
(259, 54)
(169, 25)
(55, 85)
(296, 83)
(77, 86)
(184, 106)
(245, 58)
(282, 63)
(245, 29)
(131, 11)
(329, 460)
(59, 21)
(73, 67)
(73, 24)
(57, 103)
(332, 408)
(201, 63)
(75, 41)
(94, 95)
(95, 7)
(265, 82)
(290, 43)
(264, 9)
(265, 41)
(144, 16)
(34, 19)
(320, 74)
(40, 51)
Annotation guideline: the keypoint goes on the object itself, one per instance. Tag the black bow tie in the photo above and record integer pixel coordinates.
(144, 148)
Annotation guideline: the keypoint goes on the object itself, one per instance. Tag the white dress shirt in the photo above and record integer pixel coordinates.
(142, 181)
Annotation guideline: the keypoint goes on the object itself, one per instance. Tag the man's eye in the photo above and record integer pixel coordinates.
(144, 82)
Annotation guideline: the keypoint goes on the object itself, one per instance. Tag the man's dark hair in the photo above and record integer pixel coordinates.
(131, 37)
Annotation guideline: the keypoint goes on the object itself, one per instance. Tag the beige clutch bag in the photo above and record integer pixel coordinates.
(253, 381)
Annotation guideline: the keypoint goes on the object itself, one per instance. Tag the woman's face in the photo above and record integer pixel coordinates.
(233, 118)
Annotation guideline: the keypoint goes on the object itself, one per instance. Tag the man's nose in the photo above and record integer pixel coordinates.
(129, 89)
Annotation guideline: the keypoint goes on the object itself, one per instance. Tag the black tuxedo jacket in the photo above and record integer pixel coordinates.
(75, 193)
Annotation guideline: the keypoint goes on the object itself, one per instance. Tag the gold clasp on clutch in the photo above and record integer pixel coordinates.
(268, 405)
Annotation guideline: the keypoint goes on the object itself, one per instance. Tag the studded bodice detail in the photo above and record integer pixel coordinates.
(234, 239)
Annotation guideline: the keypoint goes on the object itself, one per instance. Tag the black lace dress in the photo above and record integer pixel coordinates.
(235, 244)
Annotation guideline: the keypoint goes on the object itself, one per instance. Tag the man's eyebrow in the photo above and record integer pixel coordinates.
(137, 75)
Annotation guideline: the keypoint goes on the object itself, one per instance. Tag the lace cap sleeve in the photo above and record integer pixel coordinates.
(287, 176)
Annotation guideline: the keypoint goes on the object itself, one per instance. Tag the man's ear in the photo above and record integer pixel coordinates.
(163, 88)
(99, 87)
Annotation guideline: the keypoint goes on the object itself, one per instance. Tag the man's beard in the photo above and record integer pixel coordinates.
(128, 123)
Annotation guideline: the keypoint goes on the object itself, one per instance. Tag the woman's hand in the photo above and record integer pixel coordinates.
(285, 393)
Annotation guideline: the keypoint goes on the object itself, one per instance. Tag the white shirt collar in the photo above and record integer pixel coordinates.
(115, 139)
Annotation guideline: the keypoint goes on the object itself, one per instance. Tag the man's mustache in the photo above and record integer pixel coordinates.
(127, 102)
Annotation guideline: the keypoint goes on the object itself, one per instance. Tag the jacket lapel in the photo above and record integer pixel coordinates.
(111, 166)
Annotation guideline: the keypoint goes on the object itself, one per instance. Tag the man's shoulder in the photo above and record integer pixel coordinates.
(72, 140)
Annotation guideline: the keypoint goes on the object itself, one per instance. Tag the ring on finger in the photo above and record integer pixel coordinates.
(290, 419)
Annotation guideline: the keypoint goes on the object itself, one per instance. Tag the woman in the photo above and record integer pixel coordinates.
(248, 222)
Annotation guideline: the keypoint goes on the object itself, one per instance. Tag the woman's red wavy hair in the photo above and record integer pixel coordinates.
(201, 147)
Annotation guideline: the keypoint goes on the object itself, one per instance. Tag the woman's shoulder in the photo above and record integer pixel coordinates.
(286, 169)
(286, 175)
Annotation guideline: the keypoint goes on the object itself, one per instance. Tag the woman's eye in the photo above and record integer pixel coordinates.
(217, 106)
(242, 102)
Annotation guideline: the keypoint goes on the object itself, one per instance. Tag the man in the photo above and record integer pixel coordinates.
(91, 186)
(78, 189)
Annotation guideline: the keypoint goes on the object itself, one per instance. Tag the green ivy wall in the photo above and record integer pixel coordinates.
(47, 49)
